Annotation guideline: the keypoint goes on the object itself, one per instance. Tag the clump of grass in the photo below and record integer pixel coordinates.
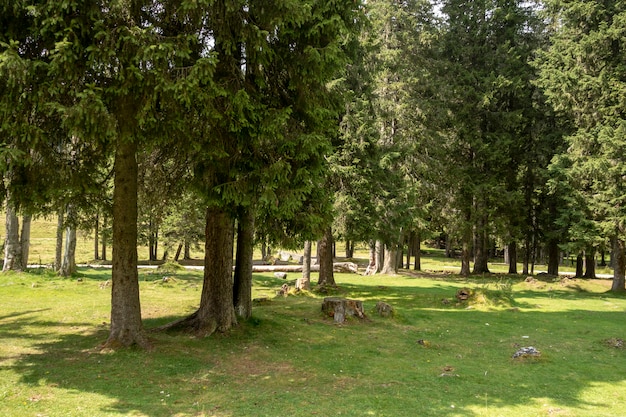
(170, 267)
(499, 294)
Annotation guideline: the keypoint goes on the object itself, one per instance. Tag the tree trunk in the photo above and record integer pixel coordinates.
(590, 263)
(390, 265)
(417, 252)
(105, 235)
(25, 239)
(306, 265)
(579, 265)
(216, 312)
(466, 254)
(187, 251)
(12, 245)
(68, 266)
(512, 257)
(527, 249)
(553, 257)
(481, 250)
(325, 250)
(58, 253)
(153, 240)
(242, 290)
(371, 266)
(409, 249)
(619, 265)
(178, 251)
(126, 326)
(349, 249)
(96, 243)
(380, 255)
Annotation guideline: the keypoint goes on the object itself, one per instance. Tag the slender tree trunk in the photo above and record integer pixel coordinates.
(512, 255)
(58, 252)
(187, 251)
(25, 239)
(619, 265)
(417, 251)
(553, 257)
(96, 243)
(325, 250)
(242, 290)
(349, 249)
(590, 263)
(526, 260)
(306, 264)
(126, 326)
(449, 253)
(105, 236)
(12, 245)
(178, 251)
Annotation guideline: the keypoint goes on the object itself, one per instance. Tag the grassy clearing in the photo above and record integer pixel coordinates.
(434, 358)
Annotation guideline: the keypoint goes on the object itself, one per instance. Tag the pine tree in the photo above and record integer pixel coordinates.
(582, 73)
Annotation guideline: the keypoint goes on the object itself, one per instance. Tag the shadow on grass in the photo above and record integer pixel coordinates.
(289, 360)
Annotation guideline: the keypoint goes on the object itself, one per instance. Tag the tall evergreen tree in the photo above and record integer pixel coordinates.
(486, 48)
(583, 73)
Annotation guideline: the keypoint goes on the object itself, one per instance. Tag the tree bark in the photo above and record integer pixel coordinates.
(512, 255)
(178, 251)
(579, 266)
(466, 254)
(590, 263)
(242, 290)
(187, 251)
(390, 265)
(417, 251)
(105, 235)
(619, 265)
(306, 264)
(325, 250)
(12, 245)
(96, 243)
(216, 312)
(126, 326)
(553, 257)
(68, 266)
(25, 239)
(481, 250)
(380, 255)
(58, 253)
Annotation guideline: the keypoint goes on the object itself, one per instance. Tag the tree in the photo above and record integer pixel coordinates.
(582, 74)
(485, 51)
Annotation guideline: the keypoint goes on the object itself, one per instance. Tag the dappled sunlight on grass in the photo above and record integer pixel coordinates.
(430, 359)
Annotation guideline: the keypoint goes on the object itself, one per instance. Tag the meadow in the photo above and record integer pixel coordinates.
(436, 356)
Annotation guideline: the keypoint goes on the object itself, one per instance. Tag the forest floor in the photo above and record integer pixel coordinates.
(436, 356)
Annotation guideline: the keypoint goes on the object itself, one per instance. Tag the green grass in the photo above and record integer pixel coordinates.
(289, 360)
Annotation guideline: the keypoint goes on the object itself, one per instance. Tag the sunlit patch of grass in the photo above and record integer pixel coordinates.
(429, 359)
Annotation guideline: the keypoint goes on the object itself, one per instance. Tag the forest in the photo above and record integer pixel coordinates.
(490, 126)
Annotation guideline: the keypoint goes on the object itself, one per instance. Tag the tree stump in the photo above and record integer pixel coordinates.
(303, 284)
(463, 294)
(384, 309)
(341, 308)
